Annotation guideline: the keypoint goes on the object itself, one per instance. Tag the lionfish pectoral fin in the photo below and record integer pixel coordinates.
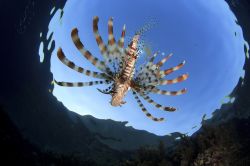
(99, 41)
(123, 102)
(172, 69)
(103, 91)
(165, 92)
(121, 40)
(95, 61)
(159, 106)
(111, 38)
(61, 56)
(160, 63)
(145, 110)
(81, 84)
(181, 78)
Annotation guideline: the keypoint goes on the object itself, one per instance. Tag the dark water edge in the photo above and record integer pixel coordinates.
(37, 130)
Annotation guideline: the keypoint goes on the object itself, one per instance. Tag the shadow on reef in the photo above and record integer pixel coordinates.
(36, 129)
(15, 150)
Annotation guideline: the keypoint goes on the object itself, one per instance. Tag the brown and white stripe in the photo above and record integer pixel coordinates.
(165, 82)
(120, 50)
(159, 106)
(95, 61)
(165, 92)
(170, 70)
(111, 38)
(173, 81)
(81, 84)
(153, 57)
(127, 72)
(160, 63)
(131, 59)
(70, 64)
(121, 40)
(145, 110)
(99, 41)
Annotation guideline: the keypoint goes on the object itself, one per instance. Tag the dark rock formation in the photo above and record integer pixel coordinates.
(226, 144)
(15, 150)
(122, 137)
(241, 107)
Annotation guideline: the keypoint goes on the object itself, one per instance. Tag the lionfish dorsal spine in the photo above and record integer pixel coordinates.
(131, 54)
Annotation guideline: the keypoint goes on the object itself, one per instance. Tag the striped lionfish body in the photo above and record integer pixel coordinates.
(123, 82)
(118, 70)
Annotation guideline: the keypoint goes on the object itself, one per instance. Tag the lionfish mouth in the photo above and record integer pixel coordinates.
(115, 104)
(116, 99)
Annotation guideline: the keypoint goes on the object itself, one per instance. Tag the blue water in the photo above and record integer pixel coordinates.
(203, 33)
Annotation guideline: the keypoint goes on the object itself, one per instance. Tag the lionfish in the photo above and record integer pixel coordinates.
(124, 76)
